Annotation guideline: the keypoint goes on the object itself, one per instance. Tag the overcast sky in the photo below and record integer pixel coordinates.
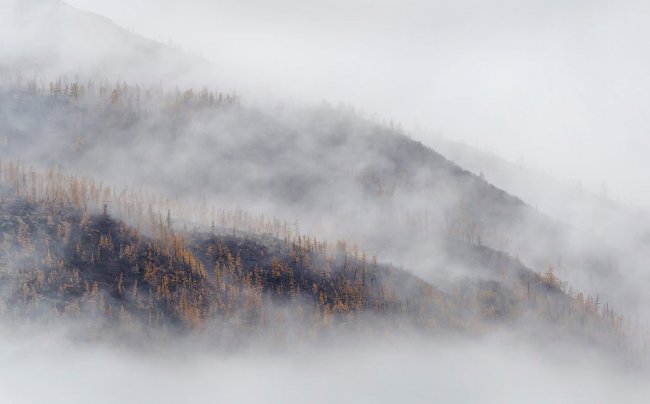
(562, 85)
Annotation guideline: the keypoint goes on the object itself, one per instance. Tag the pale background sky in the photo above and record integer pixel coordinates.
(563, 85)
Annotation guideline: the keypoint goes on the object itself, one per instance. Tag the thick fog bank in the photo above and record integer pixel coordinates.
(496, 370)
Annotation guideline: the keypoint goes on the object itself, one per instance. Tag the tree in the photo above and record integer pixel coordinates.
(550, 279)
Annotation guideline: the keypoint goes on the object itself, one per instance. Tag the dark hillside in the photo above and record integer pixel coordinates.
(60, 261)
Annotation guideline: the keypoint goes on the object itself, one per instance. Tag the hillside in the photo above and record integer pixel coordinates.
(608, 239)
(328, 170)
(338, 174)
(569, 202)
(270, 223)
(291, 159)
(62, 261)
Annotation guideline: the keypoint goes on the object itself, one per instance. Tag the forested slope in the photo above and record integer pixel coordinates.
(65, 257)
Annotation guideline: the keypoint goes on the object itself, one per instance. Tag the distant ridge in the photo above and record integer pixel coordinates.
(50, 37)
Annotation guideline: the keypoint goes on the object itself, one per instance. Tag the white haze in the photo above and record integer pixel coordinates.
(495, 370)
(560, 85)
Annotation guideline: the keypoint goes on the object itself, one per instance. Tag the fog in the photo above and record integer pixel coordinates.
(559, 85)
(465, 371)
(469, 146)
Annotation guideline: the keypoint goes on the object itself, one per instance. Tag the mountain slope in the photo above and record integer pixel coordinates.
(329, 168)
(296, 164)
(337, 174)
(373, 184)
(42, 38)
(610, 238)
(58, 260)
